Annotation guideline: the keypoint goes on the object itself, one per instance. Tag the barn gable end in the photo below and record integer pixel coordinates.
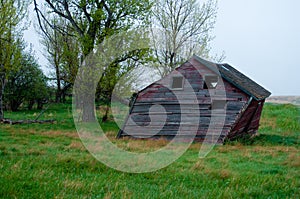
(196, 78)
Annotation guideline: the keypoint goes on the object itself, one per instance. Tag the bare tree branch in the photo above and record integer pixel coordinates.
(185, 29)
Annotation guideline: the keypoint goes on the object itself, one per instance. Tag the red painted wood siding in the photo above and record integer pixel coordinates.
(158, 93)
(249, 120)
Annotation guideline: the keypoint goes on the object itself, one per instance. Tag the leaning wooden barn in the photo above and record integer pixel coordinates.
(197, 85)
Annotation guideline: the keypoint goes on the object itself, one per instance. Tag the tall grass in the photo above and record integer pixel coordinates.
(49, 161)
(280, 119)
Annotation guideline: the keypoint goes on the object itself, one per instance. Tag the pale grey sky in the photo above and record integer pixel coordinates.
(261, 38)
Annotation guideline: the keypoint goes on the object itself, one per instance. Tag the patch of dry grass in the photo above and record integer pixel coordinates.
(293, 160)
(76, 145)
(60, 133)
(219, 174)
(273, 149)
(139, 145)
(199, 166)
(16, 132)
(108, 196)
(73, 184)
(35, 151)
(268, 122)
(229, 148)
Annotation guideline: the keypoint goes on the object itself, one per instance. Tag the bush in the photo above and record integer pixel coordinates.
(27, 85)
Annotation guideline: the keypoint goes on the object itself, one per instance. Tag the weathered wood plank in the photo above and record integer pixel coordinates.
(159, 93)
(183, 128)
(212, 139)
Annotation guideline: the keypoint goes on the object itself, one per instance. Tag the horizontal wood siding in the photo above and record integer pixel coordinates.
(167, 122)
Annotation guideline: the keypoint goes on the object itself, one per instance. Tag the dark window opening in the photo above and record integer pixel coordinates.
(218, 104)
(211, 82)
(177, 83)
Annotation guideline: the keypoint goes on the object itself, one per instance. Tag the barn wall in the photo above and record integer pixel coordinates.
(254, 125)
(158, 93)
(248, 122)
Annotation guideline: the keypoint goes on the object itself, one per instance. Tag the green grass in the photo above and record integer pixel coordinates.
(49, 161)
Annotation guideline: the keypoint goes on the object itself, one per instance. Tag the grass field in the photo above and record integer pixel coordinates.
(49, 161)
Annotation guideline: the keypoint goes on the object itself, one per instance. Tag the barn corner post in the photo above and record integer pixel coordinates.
(254, 123)
(131, 104)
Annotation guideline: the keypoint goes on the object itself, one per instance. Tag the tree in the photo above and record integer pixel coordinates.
(93, 21)
(63, 56)
(115, 72)
(27, 84)
(12, 13)
(180, 29)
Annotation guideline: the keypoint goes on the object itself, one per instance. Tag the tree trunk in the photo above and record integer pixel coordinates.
(40, 104)
(2, 86)
(88, 112)
(1, 99)
(14, 105)
(57, 96)
(85, 105)
(64, 92)
(63, 98)
(105, 117)
(58, 91)
(30, 104)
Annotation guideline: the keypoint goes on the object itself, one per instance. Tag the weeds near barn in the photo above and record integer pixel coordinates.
(47, 161)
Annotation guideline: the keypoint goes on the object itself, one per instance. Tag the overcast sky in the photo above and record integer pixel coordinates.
(261, 38)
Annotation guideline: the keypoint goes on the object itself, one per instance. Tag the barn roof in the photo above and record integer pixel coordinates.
(237, 79)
